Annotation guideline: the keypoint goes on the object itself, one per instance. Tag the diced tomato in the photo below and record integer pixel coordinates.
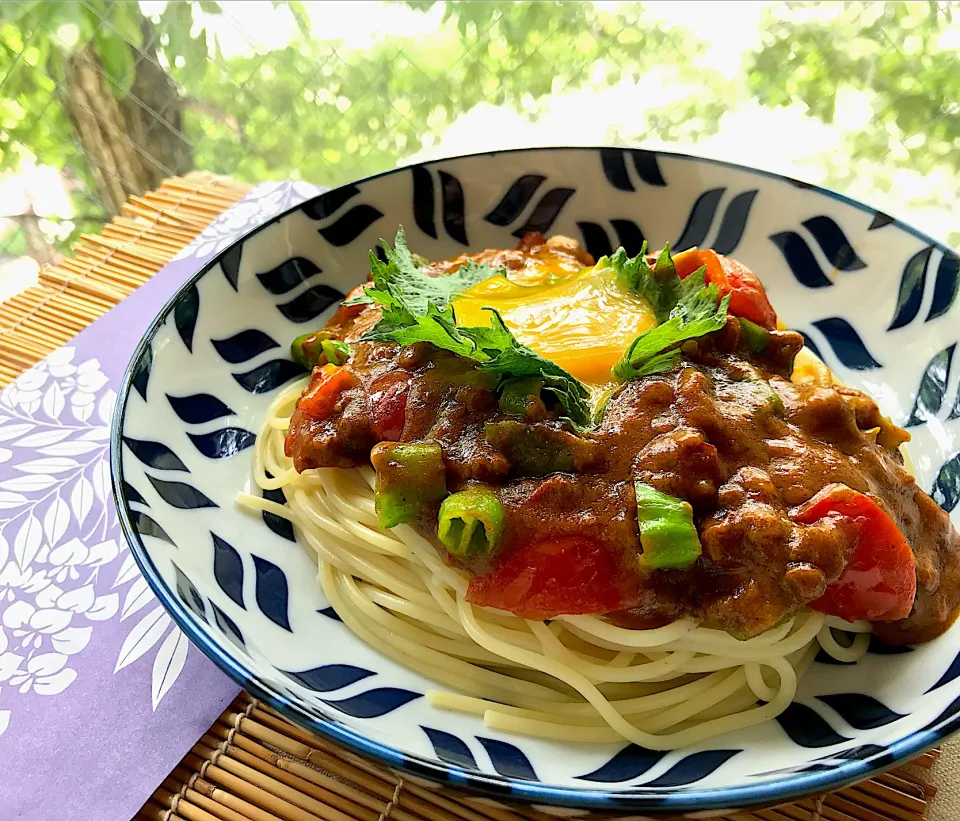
(347, 312)
(388, 405)
(686, 262)
(564, 576)
(319, 400)
(747, 295)
(880, 580)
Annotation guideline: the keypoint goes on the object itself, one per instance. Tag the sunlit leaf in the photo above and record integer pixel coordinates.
(117, 58)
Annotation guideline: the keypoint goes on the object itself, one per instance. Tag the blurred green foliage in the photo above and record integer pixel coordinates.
(889, 51)
(321, 110)
(356, 112)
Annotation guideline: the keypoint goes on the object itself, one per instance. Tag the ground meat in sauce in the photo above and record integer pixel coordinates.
(726, 431)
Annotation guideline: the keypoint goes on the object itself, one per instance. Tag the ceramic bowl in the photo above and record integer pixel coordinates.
(876, 299)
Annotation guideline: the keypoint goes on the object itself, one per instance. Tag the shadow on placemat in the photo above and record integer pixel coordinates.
(253, 765)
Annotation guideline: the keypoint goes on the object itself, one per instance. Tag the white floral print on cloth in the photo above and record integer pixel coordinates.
(63, 565)
(91, 665)
(61, 570)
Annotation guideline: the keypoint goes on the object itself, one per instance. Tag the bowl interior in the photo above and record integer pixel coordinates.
(875, 299)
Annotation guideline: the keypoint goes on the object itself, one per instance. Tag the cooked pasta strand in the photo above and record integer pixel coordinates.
(578, 678)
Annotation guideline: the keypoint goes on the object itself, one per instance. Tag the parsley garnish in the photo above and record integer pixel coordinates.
(416, 308)
(686, 309)
(510, 360)
(400, 280)
(659, 285)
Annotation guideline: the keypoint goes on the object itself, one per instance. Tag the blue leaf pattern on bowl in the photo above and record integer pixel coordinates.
(628, 764)
(228, 569)
(141, 373)
(155, 454)
(933, 386)
(147, 526)
(734, 222)
(321, 208)
(807, 727)
(282, 527)
(223, 443)
(454, 220)
(860, 711)
(913, 282)
(946, 286)
(288, 275)
(950, 674)
(451, 749)
(946, 487)
(374, 703)
(846, 343)
(227, 625)
(330, 613)
(272, 592)
(693, 768)
(700, 220)
(198, 408)
(244, 346)
(834, 244)
(180, 495)
(645, 163)
(132, 495)
(330, 676)
(545, 212)
(512, 203)
(230, 265)
(189, 594)
(271, 375)
(803, 264)
(185, 314)
(508, 759)
(311, 303)
(351, 225)
(424, 201)
(880, 220)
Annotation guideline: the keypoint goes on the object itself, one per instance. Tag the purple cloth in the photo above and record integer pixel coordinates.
(100, 693)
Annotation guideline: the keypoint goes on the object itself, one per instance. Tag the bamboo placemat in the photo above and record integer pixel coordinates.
(253, 765)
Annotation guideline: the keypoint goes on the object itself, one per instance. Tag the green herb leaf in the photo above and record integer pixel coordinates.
(685, 308)
(660, 285)
(402, 279)
(436, 327)
(655, 351)
(696, 299)
(507, 358)
(415, 308)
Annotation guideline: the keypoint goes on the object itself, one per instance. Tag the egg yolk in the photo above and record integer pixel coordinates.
(583, 321)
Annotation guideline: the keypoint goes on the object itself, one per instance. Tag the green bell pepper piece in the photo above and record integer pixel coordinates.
(756, 337)
(470, 522)
(317, 348)
(410, 477)
(521, 396)
(667, 532)
(538, 450)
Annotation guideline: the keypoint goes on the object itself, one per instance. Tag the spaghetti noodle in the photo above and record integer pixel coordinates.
(573, 678)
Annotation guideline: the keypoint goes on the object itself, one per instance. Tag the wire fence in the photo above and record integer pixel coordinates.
(101, 100)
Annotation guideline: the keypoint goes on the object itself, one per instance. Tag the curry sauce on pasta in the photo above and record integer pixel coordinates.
(598, 499)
